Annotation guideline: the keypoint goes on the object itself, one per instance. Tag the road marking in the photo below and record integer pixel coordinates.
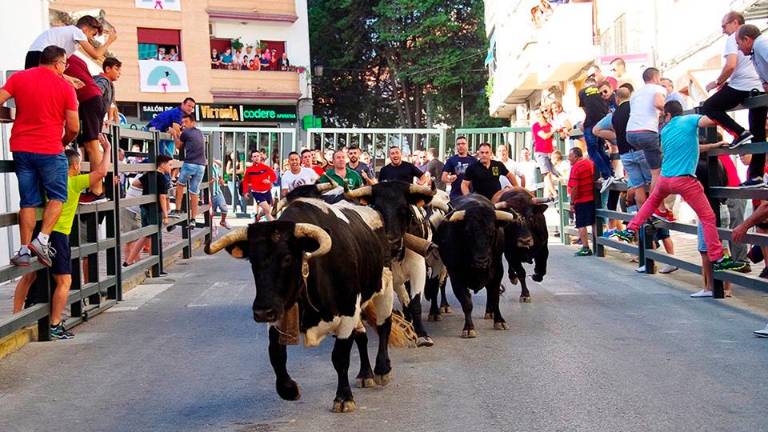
(138, 297)
(223, 293)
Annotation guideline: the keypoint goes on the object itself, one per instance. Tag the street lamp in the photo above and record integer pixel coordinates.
(318, 69)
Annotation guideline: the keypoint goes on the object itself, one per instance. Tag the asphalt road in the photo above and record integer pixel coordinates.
(601, 348)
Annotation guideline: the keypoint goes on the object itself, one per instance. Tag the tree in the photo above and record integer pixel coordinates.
(400, 63)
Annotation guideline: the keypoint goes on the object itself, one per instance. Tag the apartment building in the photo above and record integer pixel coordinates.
(166, 49)
(540, 50)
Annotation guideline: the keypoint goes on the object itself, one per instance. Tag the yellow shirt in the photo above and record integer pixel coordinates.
(75, 186)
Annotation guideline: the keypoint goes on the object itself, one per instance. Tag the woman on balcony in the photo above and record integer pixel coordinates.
(283, 63)
(215, 59)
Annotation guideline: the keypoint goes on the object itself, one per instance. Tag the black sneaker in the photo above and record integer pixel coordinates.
(752, 183)
(745, 137)
(764, 273)
(59, 332)
(728, 263)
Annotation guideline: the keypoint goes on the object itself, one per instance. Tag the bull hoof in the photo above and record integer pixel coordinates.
(365, 383)
(435, 317)
(424, 341)
(383, 380)
(488, 315)
(537, 278)
(343, 406)
(500, 326)
(469, 334)
(445, 309)
(526, 299)
(513, 280)
(288, 390)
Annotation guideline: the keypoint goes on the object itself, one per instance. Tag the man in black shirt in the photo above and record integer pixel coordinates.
(595, 108)
(400, 170)
(162, 185)
(435, 168)
(483, 176)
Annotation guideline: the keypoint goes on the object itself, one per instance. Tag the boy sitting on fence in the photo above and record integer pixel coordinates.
(59, 239)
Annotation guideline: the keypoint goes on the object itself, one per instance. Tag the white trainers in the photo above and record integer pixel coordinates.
(607, 183)
(702, 293)
(667, 268)
(761, 333)
(640, 269)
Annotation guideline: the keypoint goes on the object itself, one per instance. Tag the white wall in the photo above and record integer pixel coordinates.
(295, 35)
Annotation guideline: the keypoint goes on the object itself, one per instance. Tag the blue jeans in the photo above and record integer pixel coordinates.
(190, 176)
(596, 151)
(236, 198)
(38, 173)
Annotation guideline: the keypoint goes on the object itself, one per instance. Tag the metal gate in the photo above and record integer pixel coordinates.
(514, 137)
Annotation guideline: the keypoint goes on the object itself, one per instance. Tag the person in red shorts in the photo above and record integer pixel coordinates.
(44, 103)
(257, 182)
(581, 187)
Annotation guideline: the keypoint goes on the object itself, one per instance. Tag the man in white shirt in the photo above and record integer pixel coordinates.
(69, 38)
(527, 169)
(296, 175)
(502, 155)
(734, 84)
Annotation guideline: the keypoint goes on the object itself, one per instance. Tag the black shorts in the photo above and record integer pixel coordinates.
(261, 197)
(91, 113)
(62, 260)
(585, 214)
(32, 59)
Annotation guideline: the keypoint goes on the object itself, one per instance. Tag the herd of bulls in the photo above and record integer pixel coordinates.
(325, 263)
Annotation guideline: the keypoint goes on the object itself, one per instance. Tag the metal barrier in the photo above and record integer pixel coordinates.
(377, 141)
(91, 292)
(515, 137)
(644, 249)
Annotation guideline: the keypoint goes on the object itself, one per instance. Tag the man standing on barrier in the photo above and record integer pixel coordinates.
(44, 102)
(59, 240)
(192, 141)
(680, 142)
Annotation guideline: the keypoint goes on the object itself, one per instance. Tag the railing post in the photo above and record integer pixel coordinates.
(114, 257)
(647, 240)
(597, 229)
(154, 211)
(564, 213)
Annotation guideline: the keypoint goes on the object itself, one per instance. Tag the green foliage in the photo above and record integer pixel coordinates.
(399, 62)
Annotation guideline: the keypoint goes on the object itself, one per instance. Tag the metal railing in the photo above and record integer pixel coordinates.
(93, 291)
(644, 249)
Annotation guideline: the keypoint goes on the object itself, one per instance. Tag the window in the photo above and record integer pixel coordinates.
(159, 44)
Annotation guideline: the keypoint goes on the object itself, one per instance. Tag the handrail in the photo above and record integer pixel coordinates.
(101, 292)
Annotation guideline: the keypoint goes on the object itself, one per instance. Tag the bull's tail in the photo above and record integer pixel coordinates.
(401, 335)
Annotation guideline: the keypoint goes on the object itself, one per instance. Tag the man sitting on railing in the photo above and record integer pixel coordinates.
(44, 102)
(680, 143)
(59, 239)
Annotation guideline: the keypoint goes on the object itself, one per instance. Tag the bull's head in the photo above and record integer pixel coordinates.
(479, 233)
(533, 226)
(393, 200)
(276, 251)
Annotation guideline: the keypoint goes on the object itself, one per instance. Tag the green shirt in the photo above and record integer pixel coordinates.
(351, 180)
(75, 186)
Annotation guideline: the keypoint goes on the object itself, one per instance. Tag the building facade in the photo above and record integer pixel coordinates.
(540, 50)
(166, 49)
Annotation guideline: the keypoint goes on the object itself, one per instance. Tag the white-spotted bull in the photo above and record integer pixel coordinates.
(398, 203)
(531, 210)
(326, 264)
(471, 242)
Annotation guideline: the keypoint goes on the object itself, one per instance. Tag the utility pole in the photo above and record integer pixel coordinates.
(462, 103)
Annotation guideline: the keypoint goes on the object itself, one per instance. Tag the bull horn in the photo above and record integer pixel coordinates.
(362, 192)
(236, 235)
(542, 200)
(316, 233)
(281, 205)
(505, 216)
(457, 216)
(502, 205)
(417, 244)
(325, 187)
(420, 189)
(440, 205)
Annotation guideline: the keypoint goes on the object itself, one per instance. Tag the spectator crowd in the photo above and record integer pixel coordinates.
(258, 59)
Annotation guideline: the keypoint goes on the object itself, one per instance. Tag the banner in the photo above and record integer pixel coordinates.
(148, 111)
(162, 76)
(159, 4)
(245, 113)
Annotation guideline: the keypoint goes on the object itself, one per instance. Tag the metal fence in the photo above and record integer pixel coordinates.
(94, 290)
(644, 249)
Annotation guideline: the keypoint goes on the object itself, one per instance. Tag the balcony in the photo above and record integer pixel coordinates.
(266, 86)
(248, 10)
(562, 54)
(514, 80)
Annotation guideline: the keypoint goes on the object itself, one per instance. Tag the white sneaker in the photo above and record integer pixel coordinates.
(607, 183)
(666, 268)
(640, 269)
(702, 293)
(761, 333)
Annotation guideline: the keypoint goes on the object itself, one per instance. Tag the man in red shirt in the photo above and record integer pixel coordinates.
(581, 187)
(92, 112)
(257, 182)
(46, 121)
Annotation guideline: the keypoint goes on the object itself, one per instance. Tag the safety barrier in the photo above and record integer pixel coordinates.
(93, 292)
(644, 250)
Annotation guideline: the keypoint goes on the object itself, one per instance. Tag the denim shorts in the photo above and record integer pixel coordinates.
(648, 142)
(38, 173)
(191, 175)
(725, 221)
(637, 169)
(219, 203)
(544, 161)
